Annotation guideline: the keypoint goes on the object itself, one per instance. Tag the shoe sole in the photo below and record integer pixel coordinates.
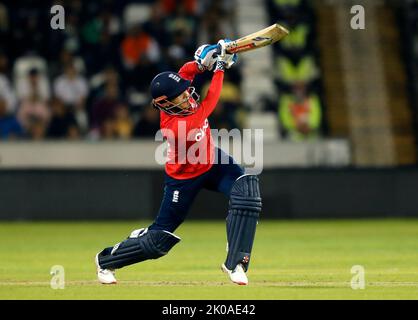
(115, 282)
(225, 270)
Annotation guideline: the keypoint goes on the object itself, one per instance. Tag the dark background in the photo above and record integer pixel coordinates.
(287, 193)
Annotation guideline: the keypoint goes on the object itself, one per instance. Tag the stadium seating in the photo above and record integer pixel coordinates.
(94, 42)
(296, 66)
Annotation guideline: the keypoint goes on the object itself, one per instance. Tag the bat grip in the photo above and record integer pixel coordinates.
(218, 51)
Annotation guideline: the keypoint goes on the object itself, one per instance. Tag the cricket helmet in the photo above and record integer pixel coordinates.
(169, 85)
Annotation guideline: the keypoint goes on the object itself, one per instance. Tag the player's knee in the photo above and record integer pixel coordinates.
(169, 225)
(245, 195)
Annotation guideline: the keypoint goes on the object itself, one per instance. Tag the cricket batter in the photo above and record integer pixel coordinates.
(183, 121)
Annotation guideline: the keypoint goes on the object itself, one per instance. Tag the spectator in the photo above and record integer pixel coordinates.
(296, 69)
(104, 66)
(9, 127)
(138, 45)
(181, 20)
(71, 33)
(34, 115)
(92, 30)
(104, 22)
(171, 5)
(179, 50)
(104, 109)
(100, 35)
(33, 84)
(6, 91)
(300, 114)
(123, 125)
(139, 55)
(215, 25)
(297, 40)
(66, 57)
(100, 80)
(63, 123)
(103, 54)
(37, 129)
(148, 124)
(72, 89)
(155, 25)
(107, 129)
(292, 70)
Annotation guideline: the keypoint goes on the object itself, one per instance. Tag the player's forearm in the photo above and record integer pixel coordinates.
(189, 70)
(214, 92)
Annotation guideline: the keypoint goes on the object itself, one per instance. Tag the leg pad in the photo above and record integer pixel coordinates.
(140, 246)
(244, 210)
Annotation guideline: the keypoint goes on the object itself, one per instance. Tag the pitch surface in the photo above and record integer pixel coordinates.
(291, 260)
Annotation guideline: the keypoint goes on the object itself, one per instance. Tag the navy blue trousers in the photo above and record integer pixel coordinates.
(179, 194)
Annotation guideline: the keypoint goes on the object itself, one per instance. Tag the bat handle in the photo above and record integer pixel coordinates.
(217, 52)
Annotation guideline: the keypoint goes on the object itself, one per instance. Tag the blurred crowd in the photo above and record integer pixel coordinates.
(409, 22)
(91, 80)
(298, 83)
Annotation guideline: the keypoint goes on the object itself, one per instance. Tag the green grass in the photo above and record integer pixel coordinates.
(291, 260)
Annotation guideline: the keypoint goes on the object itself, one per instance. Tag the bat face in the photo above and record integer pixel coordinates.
(258, 39)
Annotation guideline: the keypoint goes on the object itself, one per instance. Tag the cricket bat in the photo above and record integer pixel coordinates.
(257, 39)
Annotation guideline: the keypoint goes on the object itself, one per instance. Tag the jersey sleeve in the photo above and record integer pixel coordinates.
(209, 103)
(189, 70)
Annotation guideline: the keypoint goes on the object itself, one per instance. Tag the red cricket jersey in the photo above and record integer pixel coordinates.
(190, 144)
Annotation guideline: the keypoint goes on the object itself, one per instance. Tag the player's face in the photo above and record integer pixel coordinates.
(183, 105)
(183, 100)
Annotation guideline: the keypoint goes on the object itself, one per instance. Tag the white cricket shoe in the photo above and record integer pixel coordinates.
(237, 276)
(105, 276)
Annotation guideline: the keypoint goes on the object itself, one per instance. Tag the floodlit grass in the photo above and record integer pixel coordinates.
(291, 260)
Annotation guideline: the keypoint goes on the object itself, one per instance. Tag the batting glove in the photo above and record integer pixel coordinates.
(205, 56)
(220, 65)
(228, 59)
